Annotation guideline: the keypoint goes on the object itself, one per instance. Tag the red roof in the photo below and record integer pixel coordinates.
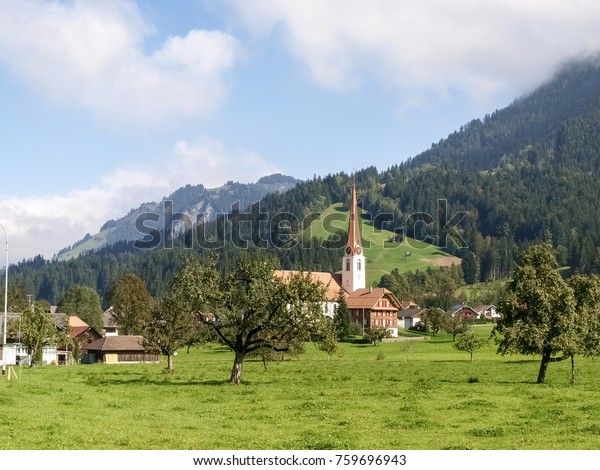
(368, 298)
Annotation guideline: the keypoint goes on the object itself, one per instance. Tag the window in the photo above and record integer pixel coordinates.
(348, 264)
(358, 265)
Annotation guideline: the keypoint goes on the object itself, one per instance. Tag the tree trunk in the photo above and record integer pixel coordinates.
(170, 362)
(236, 371)
(543, 366)
(572, 369)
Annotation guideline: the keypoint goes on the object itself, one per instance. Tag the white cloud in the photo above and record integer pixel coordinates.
(475, 47)
(46, 224)
(91, 54)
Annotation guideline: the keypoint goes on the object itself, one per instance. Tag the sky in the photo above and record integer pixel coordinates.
(108, 104)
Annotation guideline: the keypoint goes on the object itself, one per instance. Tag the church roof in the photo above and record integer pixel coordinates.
(332, 282)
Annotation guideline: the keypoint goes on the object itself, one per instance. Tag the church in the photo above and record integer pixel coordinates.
(370, 307)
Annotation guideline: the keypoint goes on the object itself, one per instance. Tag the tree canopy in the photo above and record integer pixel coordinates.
(249, 308)
(537, 308)
(83, 302)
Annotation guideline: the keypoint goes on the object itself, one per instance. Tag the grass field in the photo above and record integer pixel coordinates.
(404, 395)
(382, 256)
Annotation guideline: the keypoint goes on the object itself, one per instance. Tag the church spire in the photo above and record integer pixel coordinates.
(353, 246)
(353, 261)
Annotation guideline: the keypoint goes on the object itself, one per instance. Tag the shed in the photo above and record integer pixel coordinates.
(118, 350)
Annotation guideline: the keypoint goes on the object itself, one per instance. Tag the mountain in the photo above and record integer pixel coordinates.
(525, 174)
(195, 202)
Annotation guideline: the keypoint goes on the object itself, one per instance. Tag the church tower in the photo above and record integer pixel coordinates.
(353, 262)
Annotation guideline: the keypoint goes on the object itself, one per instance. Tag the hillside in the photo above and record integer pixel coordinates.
(383, 250)
(195, 201)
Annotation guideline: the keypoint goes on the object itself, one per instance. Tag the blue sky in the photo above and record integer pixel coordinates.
(108, 104)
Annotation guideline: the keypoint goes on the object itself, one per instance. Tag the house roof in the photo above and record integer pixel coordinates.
(332, 282)
(406, 304)
(117, 343)
(368, 298)
(482, 308)
(414, 312)
(109, 318)
(75, 321)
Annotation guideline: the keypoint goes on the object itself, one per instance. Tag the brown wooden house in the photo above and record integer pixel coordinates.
(374, 307)
(118, 350)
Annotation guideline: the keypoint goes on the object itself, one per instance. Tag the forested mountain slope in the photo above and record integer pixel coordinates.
(524, 174)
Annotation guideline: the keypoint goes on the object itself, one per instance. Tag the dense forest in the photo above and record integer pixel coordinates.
(525, 174)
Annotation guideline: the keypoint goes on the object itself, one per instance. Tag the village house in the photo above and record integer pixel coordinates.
(411, 316)
(489, 312)
(466, 312)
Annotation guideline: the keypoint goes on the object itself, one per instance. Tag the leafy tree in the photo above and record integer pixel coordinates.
(376, 335)
(455, 326)
(435, 320)
(469, 342)
(37, 329)
(327, 339)
(172, 324)
(538, 311)
(84, 302)
(131, 303)
(341, 320)
(586, 290)
(168, 327)
(250, 308)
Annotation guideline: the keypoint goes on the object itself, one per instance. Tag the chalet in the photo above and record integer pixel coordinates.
(118, 349)
(374, 307)
(489, 312)
(410, 317)
(466, 312)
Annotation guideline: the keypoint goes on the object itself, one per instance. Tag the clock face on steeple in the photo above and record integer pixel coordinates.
(348, 250)
(358, 250)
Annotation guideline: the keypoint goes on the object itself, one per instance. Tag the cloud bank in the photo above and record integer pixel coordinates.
(91, 55)
(44, 225)
(479, 48)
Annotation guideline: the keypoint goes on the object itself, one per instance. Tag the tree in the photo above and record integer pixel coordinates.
(435, 320)
(84, 302)
(455, 325)
(537, 311)
(131, 303)
(341, 320)
(327, 338)
(250, 308)
(586, 290)
(469, 342)
(171, 324)
(37, 329)
(376, 335)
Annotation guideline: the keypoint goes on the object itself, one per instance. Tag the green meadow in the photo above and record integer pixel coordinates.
(397, 395)
(382, 255)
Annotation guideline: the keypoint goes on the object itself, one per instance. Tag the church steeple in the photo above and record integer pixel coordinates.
(353, 246)
(353, 262)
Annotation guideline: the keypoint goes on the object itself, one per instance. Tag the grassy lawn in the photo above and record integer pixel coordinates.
(404, 395)
(382, 256)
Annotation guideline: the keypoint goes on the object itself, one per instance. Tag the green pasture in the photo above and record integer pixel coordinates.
(402, 395)
(382, 255)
